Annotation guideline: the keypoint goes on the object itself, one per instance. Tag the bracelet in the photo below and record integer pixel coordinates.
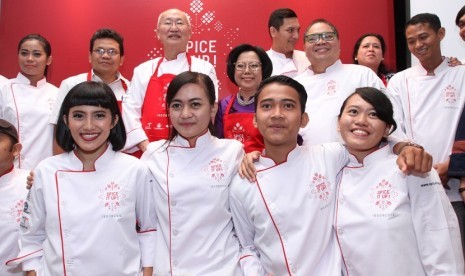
(412, 144)
(461, 190)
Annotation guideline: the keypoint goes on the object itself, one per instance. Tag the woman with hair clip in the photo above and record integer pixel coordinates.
(27, 100)
(369, 51)
(193, 170)
(79, 218)
(387, 222)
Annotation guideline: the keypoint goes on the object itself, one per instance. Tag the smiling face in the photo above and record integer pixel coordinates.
(370, 53)
(174, 30)
(424, 43)
(360, 127)
(90, 128)
(286, 37)
(190, 112)
(322, 53)
(279, 116)
(248, 80)
(32, 59)
(105, 64)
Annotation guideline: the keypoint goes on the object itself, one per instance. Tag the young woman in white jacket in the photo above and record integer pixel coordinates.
(387, 222)
(80, 215)
(193, 170)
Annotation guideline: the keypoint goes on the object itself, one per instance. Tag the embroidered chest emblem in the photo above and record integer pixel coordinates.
(383, 195)
(238, 132)
(320, 187)
(216, 169)
(331, 88)
(112, 196)
(16, 211)
(450, 94)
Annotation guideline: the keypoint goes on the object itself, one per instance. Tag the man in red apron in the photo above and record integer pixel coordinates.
(106, 55)
(144, 111)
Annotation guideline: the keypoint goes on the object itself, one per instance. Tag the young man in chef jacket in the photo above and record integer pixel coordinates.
(284, 29)
(12, 197)
(284, 219)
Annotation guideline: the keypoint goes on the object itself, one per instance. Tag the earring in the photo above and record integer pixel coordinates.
(355, 58)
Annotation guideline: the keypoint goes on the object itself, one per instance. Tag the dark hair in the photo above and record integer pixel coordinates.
(267, 66)
(108, 33)
(425, 18)
(277, 17)
(94, 94)
(324, 21)
(182, 79)
(379, 101)
(43, 41)
(287, 81)
(382, 69)
(459, 15)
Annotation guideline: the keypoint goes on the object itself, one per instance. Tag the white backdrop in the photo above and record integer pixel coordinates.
(452, 45)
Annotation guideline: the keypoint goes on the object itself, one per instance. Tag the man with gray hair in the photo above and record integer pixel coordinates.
(144, 112)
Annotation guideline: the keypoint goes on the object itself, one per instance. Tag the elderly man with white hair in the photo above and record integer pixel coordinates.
(144, 112)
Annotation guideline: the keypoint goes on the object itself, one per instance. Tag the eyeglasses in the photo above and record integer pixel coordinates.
(111, 52)
(177, 23)
(242, 66)
(326, 36)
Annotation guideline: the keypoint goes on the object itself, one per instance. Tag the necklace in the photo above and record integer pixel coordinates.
(244, 102)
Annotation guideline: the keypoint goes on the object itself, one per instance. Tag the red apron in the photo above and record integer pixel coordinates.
(154, 115)
(123, 84)
(240, 126)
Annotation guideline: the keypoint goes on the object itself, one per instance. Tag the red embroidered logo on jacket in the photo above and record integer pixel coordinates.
(16, 211)
(450, 94)
(112, 196)
(383, 194)
(320, 187)
(216, 169)
(331, 88)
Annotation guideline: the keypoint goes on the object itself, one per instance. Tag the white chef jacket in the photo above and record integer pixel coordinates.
(284, 220)
(28, 108)
(132, 108)
(326, 93)
(84, 222)
(290, 67)
(2, 79)
(428, 108)
(13, 194)
(389, 223)
(195, 229)
(70, 82)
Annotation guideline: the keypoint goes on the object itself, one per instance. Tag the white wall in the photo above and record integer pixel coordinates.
(452, 45)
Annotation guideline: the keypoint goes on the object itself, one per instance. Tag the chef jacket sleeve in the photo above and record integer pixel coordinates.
(146, 216)
(436, 226)
(32, 227)
(249, 256)
(132, 109)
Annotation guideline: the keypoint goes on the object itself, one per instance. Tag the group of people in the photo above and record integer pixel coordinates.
(326, 198)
